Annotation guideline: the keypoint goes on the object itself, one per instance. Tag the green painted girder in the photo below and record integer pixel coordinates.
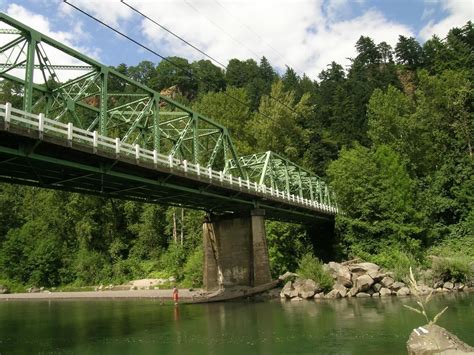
(101, 98)
(279, 173)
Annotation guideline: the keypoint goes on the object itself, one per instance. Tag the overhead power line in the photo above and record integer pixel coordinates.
(189, 73)
(236, 19)
(196, 48)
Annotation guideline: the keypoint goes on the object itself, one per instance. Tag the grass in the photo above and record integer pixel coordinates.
(310, 267)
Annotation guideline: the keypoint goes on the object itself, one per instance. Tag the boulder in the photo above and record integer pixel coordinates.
(438, 284)
(397, 285)
(287, 275)
(376, 294)
(459, 286)
(362, 295)
(363, 268)
(404, 291)
(342, 290)
(432, 339)
(387, 281)
(319, 295)
(385, 292)
(448, 285)
(364, 282)
(296, 299)
(307, 288)
(33, 290)
(285, 291)
(4, 289)
(341, 273)
(377, 276)
(333, 294)
(352, 292)
(376, 287)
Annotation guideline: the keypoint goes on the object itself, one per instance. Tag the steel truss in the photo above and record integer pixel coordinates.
(94, 97)
(100, 98)
(280, 174)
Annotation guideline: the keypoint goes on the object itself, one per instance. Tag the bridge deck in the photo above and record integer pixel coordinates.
(40, 152)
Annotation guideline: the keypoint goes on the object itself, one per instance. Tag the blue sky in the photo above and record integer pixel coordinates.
(304, 34)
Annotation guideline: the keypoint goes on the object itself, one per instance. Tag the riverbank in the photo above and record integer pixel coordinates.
(185, 294)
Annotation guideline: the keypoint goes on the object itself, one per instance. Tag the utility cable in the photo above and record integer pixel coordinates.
(188, 72)
(236, 19)
(196, 48)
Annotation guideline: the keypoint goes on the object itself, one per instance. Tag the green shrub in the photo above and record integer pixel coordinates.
(193, 269)
(12, 286)
(459, 268)
(395, 260)
(173, 260)
(310, 267)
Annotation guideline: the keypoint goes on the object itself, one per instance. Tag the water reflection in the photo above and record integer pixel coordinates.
(346, 326)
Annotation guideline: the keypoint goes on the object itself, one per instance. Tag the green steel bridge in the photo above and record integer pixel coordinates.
(85, 127)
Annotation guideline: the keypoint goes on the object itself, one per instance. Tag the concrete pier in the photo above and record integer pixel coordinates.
(235, 251)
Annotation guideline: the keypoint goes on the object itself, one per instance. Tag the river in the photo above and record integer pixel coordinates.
(345, 326)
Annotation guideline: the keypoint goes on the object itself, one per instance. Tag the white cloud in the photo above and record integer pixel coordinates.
(55, 56)
(308, 33)
(110, 11)
(459, 12)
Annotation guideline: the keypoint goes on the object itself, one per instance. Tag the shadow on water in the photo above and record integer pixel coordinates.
(346, 326)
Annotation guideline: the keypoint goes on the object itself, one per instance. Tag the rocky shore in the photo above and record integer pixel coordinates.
(358, 280)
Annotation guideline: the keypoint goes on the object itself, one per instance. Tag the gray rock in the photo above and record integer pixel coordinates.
(319, 295)
(333, 294)
(385, 292)
(376, 294)
(285, 291)
(404, 291)
(4, 289)
(448, 285)
(364, 282)
(33, 290)
(459, 286)
(340, 273)
(387, 281)
(362, 295)
(376, 287)
(397, 285)
(352, 292)
(307, 288)
(287, 275)
(296, 299)
(432, 339)
(342, 290)
(293, 294)
(363, 268)
(377, 276)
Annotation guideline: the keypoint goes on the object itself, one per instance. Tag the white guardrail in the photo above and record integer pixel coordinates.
(46, 126)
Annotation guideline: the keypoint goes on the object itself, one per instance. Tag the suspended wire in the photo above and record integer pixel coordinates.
(196, 48)
(185, 70)
(220, 28)
(172, 33)
(236, 19)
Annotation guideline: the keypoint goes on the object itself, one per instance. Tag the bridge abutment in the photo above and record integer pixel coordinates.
(235, 251)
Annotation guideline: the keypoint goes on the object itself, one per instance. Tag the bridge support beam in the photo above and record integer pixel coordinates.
(235, 251)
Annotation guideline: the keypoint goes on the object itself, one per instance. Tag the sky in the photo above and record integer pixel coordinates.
(306, 35)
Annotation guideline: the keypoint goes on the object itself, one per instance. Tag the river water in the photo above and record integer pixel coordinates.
(345, 326)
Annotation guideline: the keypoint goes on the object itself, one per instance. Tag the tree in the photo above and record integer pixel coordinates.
(408, 52)
(210, 77)
(175, 71)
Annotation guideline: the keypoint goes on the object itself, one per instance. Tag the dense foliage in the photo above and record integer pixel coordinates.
(394, 135)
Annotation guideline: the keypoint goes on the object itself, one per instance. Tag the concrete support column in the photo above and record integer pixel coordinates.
(261, 264)
(235, 251)
(210, 257)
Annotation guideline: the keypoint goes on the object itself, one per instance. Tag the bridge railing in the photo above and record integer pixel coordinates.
(52, 128)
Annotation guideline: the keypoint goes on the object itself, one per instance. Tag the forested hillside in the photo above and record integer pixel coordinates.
(393, 133)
